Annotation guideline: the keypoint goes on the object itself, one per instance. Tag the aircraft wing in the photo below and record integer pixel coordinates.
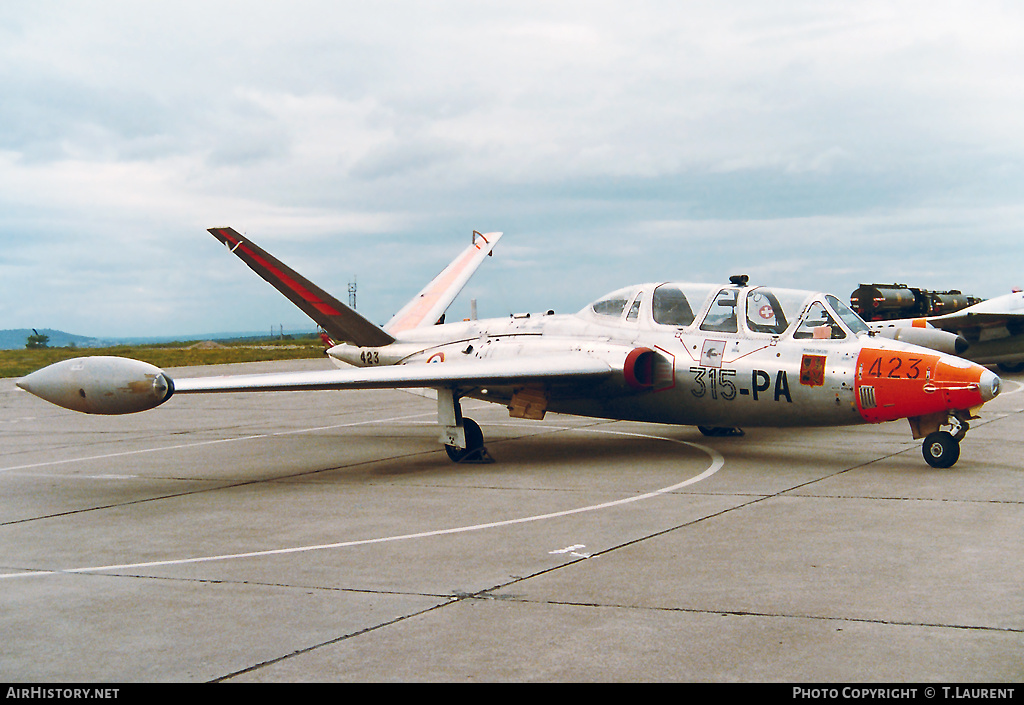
(119, 385)
(988, 332)
(427, 307)
(341, 323)
(1000, 311)
(564, 368)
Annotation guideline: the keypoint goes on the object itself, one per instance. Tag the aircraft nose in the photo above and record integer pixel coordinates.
(989, 385)
(893, 384)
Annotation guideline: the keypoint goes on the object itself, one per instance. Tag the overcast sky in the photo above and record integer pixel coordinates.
(809, 144)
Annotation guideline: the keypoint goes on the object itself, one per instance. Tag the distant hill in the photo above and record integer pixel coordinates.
(14, 339)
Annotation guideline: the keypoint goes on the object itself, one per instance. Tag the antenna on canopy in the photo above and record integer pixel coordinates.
(739, 279)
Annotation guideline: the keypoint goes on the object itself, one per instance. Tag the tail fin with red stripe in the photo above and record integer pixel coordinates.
(339, 321)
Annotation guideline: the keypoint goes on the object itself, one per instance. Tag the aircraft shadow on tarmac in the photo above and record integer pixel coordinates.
(389, 454)
(512, 451)
(675, 446)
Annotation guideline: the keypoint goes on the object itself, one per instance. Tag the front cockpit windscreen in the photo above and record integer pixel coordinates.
(818, 323)
(851, 319)
(822, 322)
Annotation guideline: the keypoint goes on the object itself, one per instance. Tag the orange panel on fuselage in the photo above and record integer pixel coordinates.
(899, 384)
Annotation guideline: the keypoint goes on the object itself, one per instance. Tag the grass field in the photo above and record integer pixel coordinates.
(18, 363)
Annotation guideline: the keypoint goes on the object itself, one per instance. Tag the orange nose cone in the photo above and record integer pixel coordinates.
(898, 384)
(963, 384)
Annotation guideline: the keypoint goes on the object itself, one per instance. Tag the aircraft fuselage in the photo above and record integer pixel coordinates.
(691, 377)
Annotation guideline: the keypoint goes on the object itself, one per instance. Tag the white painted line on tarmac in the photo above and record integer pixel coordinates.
(199, 444)
(717, 462)
(1013, 382)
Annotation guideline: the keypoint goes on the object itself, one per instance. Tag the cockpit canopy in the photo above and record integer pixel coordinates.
(738, 310)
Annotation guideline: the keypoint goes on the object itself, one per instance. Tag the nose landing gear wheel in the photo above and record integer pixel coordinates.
(474, 452)
(941, 449)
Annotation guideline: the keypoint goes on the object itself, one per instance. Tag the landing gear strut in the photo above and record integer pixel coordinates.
(462, 438)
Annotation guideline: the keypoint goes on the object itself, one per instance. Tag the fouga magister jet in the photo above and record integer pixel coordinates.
(719, 357)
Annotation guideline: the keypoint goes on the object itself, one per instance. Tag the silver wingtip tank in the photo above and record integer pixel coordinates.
(100, 385)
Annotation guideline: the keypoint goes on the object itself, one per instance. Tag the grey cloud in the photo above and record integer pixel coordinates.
(807, 141)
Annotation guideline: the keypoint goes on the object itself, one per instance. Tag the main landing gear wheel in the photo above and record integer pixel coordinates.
(941, 449)
(474, 452)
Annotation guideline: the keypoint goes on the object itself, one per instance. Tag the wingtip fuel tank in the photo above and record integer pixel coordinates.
(100, 385)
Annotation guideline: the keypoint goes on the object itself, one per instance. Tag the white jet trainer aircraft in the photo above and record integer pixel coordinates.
(715, 356)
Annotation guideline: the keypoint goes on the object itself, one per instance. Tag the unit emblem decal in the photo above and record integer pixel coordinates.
(812, 370)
